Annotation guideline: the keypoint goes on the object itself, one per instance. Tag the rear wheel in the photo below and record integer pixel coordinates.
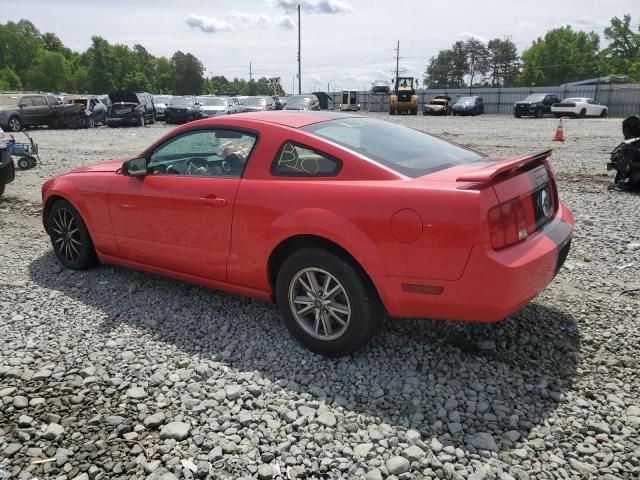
(70, 238)
(414, 111)
(1, 189)
(391, 111)
(539, 113)
(326, 303)
(583, 113)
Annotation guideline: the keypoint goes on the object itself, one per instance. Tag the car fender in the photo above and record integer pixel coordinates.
(333, 227)
(64, 188)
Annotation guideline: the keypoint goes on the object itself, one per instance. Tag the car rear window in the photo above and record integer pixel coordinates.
(404, 150)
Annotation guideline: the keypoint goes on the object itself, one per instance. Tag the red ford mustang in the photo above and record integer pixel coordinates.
(335, 217)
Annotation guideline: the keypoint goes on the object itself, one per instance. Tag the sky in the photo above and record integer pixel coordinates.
(345, 43)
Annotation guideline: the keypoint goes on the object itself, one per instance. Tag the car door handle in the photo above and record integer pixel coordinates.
(214, 201)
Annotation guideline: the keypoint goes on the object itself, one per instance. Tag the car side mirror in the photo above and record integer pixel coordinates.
(136, 167)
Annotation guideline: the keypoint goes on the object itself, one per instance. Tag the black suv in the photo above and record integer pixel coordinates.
(130, 109)
(535, 105)
(18, 111)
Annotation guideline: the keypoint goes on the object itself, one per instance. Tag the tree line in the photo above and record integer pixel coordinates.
(562, 55)
(32, 60)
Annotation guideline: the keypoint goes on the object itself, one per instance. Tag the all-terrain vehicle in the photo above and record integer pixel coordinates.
(625, 158)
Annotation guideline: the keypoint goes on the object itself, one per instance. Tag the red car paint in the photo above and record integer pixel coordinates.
(424, 242)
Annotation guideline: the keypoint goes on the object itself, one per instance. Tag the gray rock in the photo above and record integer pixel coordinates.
(161, 474)
(42, 374)
(397, 465)
(11, 449)
(233, 391)
(265, 472)
(53, 431)
(362, 450)
(175, 430)
(413, 436)
(455, 427)
(413, 453)
(483, 441)
(581, 467)
(374, 474)
(154, 420)
(137, 393)
(586, 449)
(327, 419)
(20, 402)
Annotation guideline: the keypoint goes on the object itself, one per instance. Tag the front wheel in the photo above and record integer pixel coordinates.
(70, 238)
(326, 302)
(603, 114)
(15, 125)
(24, 163)
(1, 189)
(583, 113)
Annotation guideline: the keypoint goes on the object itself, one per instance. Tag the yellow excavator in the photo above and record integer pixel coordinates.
(404, 99)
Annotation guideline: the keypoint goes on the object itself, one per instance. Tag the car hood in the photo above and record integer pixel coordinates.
(108, 166)
(525, 103)
(212, 109)
(434, 106)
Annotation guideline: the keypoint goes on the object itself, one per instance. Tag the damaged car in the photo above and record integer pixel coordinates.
(130, 109)
(625, 158)
(438, 105)
(95, 112)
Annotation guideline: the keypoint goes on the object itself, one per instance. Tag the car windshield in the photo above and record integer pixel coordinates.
(298, 102)
(81, 101)
(180, 102)
(574, 100)
(466, 100)
(536, 97)
(437, 102)
(9, 100)
(255, 102)
(162, 99)
(213, 102)
(407, 151)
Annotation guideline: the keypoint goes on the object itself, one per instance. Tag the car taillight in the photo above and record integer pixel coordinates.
(507, 223)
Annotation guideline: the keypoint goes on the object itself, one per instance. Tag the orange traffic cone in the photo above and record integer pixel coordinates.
(559, 136)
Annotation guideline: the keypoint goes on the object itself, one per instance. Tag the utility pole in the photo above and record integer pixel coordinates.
(250, 76)
(397, 65)
(299, 58)
(328, 90)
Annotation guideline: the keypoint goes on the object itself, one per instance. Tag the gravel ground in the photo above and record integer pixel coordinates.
(114, 374)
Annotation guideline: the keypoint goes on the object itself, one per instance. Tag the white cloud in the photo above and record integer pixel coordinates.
(527, 25)
(247, 20)
(472, 35)
(314, 6)
(285, 22)
(208, 25)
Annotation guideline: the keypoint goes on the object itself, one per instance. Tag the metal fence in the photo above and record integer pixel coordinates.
(622, 100)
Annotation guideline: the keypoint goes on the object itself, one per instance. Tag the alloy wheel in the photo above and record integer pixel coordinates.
(66, 235)
(14, 125)
(319, 304)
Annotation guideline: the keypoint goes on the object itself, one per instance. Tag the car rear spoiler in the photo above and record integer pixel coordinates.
(502, 167)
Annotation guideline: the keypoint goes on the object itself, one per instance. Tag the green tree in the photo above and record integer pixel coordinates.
(52, 43)
(19, 45)
(164, 80)
(503, 63)
(9, 80)
(49, 72)
(101, 79)
(623, 50)
(189, 72)
(477, 59)
(561, 56)
(448, 68)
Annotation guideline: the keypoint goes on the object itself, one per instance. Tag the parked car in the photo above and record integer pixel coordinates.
(302, 102)
(438, 105)
(259, 104)
(468, 106)
(535, 105)
(18, 111)
(130, 109)
(235, 105)
(381, 87)
(7, 167)
(279, 102)
(95, 110)
(335, 217)
(160, 104)
(212, 106)
(181, 110)
(579, 107)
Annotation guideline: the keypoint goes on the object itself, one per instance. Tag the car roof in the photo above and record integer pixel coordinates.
(293, 119)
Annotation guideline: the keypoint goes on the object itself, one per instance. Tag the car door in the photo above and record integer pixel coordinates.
(593, 109)
(27, 111)
(178, 216)
(40, 110)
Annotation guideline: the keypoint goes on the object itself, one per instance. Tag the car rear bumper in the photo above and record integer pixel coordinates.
(129, 120)
(494, 285)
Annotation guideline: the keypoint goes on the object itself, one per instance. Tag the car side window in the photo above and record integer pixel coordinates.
(294, 160)
(211, 153)
(38, 101)
(25, 102)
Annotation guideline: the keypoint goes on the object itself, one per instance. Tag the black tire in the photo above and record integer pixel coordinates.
(516, 115)
(583, 113)
(365, 311)
(414, 111)
(15, 124)
(1, 188)
(32, 161)
(603, 113)
(557, 115)
(24, 163)
(391, 111)
(89, 122)
(539, 113)
(75, 251)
